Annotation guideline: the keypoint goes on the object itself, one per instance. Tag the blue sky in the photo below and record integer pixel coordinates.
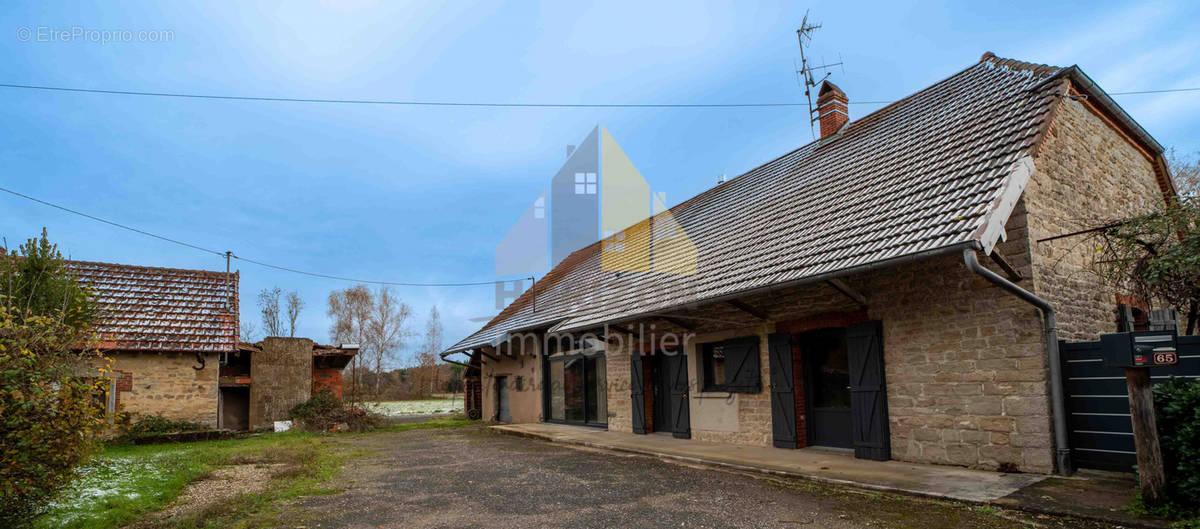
(424, 194)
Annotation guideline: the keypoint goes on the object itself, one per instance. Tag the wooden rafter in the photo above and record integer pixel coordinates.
(748, 309)
(848, 291)
(1004, 265)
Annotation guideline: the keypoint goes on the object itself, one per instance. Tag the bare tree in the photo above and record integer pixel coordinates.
(248, 330)
(427, 368)
(349, 309)
(268, 303)
(1186, 172)
(386, 331)
(294, 306)
(374, 320)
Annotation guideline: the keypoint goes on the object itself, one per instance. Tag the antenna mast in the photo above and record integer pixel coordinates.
(805, 72)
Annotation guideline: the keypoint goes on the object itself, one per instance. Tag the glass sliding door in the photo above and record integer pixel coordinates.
(557, 402)
(597, 396)
(576, 390)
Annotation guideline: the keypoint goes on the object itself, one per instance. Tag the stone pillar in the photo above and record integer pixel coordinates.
(280, 378)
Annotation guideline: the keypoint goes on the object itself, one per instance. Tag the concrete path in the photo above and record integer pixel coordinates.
(811, 463)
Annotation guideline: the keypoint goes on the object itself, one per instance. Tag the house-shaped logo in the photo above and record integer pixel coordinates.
(597, 194)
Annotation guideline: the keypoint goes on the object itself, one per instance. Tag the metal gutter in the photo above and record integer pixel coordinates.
(1094, 91)
(1062, 445)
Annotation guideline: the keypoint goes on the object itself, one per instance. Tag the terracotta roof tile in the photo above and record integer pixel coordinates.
(162, 309)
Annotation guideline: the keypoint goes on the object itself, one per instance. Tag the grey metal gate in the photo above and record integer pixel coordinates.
(1098, 403)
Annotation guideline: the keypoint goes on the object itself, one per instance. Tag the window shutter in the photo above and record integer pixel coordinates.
(742, 366)
(637, 392)
(783, 396)
(868, 392)
(1163, 320)
(681, 421)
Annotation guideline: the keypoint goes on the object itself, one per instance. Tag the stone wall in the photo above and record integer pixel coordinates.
(280, 378)
(165, 384)
(965, 369)
(1087, 174)
(965, 364)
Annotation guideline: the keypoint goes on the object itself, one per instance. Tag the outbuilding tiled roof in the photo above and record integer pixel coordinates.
(920, 174)
(162, 309)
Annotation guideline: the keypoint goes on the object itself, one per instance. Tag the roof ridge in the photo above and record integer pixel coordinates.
(70, 262)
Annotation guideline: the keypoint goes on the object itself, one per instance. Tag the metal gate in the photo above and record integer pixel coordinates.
(1098, 403)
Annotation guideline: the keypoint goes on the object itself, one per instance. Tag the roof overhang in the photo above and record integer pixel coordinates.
(956, 248)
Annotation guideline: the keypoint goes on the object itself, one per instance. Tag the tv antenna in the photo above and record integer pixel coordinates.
(804, 73)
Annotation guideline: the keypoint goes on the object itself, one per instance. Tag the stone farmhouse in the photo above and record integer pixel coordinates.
(173, 337)
(886, 290)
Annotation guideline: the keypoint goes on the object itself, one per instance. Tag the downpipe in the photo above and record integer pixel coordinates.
(1050, 323)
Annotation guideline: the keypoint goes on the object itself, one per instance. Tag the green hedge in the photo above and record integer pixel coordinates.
(1177, 411)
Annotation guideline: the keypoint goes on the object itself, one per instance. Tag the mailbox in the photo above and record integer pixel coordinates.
(1139, 349)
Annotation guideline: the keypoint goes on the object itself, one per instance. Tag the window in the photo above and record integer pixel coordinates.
(585, 183)
(617, 244)
(732, 365)
(539, 208)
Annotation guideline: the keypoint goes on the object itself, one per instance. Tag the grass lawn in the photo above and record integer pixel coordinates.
(400, 408)
(123, 484)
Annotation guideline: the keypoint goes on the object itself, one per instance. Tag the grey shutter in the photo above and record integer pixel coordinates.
(783, 390)
(637, 391)
(868, 393)
(742, 368)
(1124, 318)
(681, 422)
(1163, 320)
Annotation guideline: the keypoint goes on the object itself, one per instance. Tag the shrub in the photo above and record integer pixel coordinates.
(324, 412)
(1177, 412)
(151, 425)
(51, 390)
(320, 412)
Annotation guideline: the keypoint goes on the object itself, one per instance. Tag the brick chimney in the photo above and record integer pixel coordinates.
(831, 108)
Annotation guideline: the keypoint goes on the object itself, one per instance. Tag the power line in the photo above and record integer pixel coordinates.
(472, 104)
(1197, 89)
(111, 223)
(235, 256)
(394, 102)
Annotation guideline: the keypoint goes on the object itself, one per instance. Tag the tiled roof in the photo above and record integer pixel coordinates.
(917, 175)
(162, 309)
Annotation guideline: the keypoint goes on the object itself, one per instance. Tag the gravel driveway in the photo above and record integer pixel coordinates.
(471, 477)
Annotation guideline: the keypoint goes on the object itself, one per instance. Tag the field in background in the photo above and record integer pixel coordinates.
(401, 408)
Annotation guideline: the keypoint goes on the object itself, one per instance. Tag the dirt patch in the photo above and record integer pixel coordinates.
(471, 478)
(215, 489)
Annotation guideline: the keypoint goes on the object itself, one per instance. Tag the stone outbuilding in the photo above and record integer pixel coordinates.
(173, 337)
(896, 289)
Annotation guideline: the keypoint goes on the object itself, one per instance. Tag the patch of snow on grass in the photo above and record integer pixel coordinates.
(100, 480)
(400, 408)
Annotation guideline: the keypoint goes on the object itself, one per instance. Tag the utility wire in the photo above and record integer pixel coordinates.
(235, 256)
(470, 104)
(111, 223)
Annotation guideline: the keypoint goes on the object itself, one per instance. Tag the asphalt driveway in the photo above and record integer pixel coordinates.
(471, 477)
